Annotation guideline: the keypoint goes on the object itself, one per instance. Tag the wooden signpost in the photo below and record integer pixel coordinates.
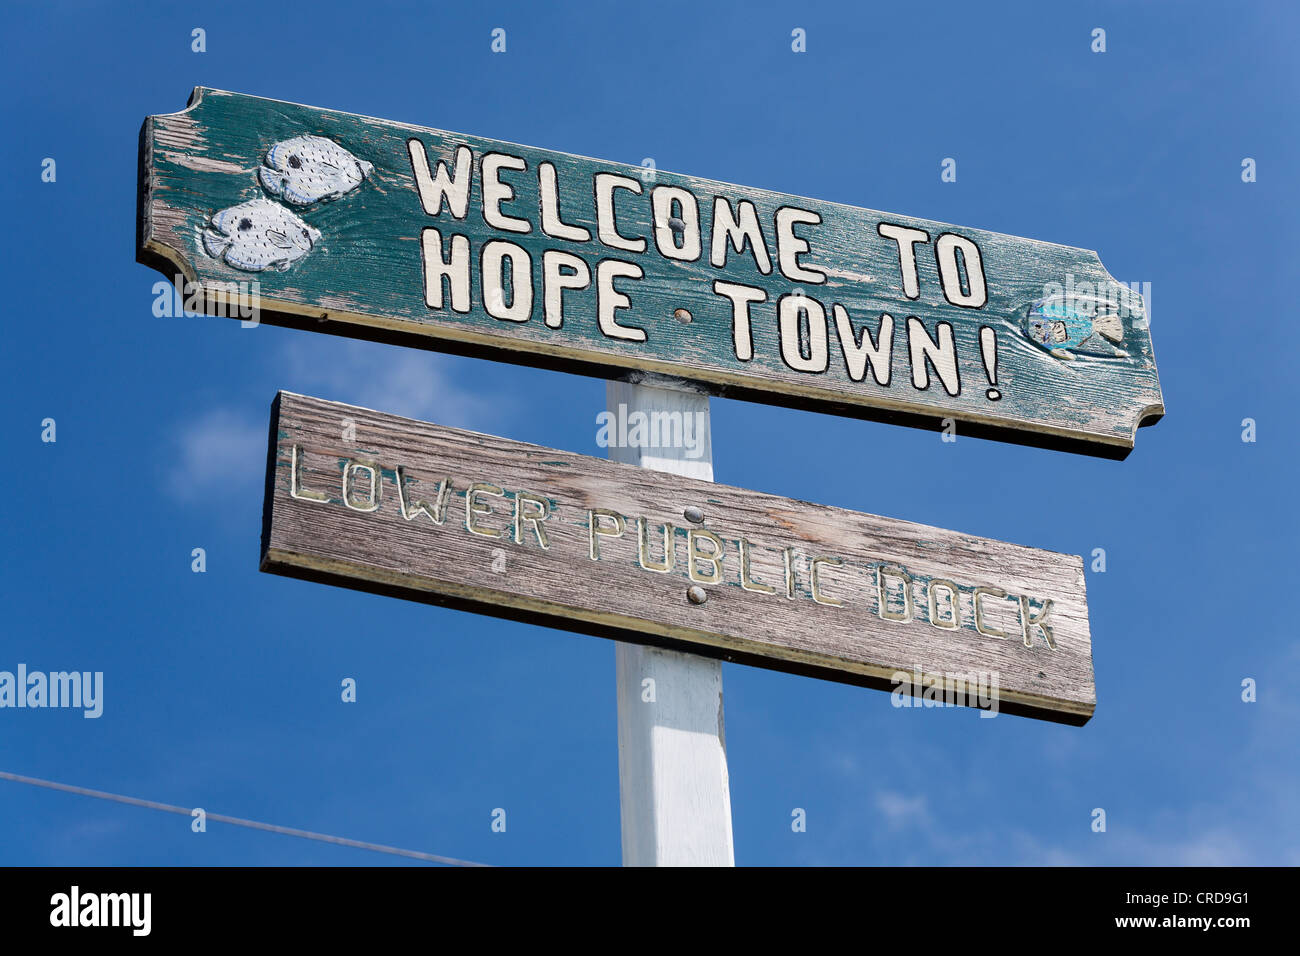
(451, 517)
(673, 778)
(399, 233)
(672, 288)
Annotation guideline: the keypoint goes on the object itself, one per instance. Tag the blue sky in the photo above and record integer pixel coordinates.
(222, 688)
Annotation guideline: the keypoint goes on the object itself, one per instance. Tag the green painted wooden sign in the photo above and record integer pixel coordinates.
(374, 229)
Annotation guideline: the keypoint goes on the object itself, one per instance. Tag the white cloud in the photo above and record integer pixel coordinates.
(220, 450)
(1174, 838)
(1216, 847)
(386, 378)
(224, 449)
(900, 810)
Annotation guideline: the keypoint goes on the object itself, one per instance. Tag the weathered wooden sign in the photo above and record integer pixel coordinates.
(398, 233)
(487, 524)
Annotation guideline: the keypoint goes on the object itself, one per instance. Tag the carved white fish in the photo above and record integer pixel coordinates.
(257, 235)
(305, 169)
(1063, 325)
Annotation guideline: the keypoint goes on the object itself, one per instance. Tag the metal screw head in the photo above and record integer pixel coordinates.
(697, 594)
(676, 224)
(682, 316)
(694, 515)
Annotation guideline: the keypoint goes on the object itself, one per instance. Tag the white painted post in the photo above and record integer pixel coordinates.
(674, 792)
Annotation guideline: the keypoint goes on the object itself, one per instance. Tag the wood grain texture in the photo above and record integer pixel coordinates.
(952, 605)
(364, 277)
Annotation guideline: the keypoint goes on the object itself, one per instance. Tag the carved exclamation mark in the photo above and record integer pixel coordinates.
(989, 349)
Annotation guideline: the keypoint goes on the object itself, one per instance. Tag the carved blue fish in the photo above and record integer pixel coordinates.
(258, 235)
(1063, 325)
(306, 169)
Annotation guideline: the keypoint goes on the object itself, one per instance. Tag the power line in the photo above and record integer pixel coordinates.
(236, 821)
